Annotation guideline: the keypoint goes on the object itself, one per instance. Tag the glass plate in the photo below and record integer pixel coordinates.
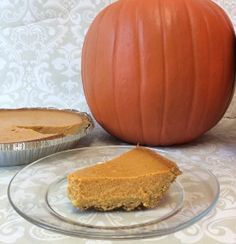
(38, 194)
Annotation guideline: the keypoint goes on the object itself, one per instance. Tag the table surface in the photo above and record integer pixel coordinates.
(216, 150)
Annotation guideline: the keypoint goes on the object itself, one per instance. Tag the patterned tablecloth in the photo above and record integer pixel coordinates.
(216, 151)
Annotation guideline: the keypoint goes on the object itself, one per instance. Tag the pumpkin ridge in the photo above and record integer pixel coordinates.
(221, 12)
(165, 80)
(138, 30)
(225, 19)
(84, 73)
(96, 59)
(208, 86)
(221, 17)
(84, 64)
(192, 103)
(222, 55)
(211, 84)
(114, 70)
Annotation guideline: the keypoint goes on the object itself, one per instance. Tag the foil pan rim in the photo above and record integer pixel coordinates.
(44, 143)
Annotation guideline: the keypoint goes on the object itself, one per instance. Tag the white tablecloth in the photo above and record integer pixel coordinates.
(216, 151)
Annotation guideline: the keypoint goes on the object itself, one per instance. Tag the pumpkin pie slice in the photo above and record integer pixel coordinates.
(24, 125)
(137, 178)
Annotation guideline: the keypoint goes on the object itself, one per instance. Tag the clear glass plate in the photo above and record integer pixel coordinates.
(38, 194)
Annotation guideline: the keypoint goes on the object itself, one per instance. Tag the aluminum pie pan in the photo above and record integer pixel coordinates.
(20, 153)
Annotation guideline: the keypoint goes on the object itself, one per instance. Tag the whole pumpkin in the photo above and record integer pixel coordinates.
(159, 72)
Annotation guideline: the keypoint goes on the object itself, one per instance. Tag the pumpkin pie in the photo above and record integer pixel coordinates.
(23, 125)
(137, 178)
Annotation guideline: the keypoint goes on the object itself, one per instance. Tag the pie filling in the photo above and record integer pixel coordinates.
(30, 125)
(137, 178)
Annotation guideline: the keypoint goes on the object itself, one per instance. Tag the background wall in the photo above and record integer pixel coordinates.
(40, 50)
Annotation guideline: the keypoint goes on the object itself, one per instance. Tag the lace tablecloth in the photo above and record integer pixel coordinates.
(216, 151)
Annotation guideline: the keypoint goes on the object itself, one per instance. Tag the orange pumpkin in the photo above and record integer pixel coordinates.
(159, 72)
